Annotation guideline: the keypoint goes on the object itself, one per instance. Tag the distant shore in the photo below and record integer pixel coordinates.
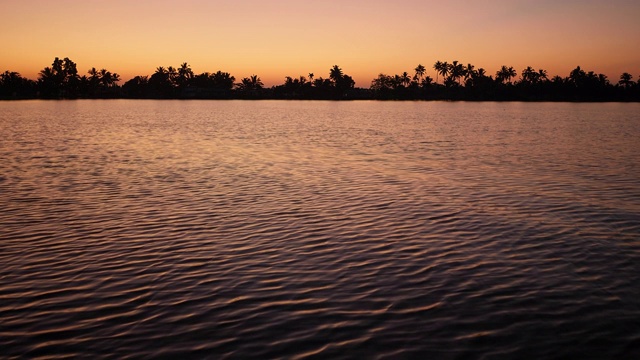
(458, 82)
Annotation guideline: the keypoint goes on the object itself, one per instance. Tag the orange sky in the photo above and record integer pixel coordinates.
(276, 38)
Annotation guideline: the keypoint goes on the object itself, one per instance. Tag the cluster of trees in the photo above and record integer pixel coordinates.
(60, 80)
(466, 82)
(454, 81)
(337, 86)
(181, 82)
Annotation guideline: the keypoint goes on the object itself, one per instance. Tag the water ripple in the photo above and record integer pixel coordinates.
(319, 230)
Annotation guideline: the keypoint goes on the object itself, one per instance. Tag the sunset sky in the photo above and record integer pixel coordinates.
(276, 38)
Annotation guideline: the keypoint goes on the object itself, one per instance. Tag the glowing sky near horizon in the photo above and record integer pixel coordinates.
(278, 38)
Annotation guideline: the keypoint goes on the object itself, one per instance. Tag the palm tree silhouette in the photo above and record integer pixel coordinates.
(185, 74)
(94, 73)
(335, 73)
(470, 72)
(252, 83)
(625, 80)
(577, 76)
(542, 75)
(405, 79)
(529, 75)
(456, 71)
(173, 74)
(505, 74)
(107, 78)
(441, 68)
(256, 82)
(420, 70)
(46, 73)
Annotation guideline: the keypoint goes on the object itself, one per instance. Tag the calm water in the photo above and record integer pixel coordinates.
(230, 229)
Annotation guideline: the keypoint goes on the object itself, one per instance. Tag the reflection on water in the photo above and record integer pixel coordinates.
(319, 229)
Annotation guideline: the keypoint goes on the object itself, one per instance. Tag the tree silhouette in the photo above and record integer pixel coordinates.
(577, 76)
(340, 81)
(542, 75)
(405, 79)
(625, 80)
(529, 75)
(250, 83)
(335, 73)
(107, 79)
(160, 85)
(470, 74)
(442, 68)
(61, 80)
(505, 74)
(173, 75)
(456, 71)
(138, 87)
(249, 86)
(185, 74)
(419, 72)
(13, 85)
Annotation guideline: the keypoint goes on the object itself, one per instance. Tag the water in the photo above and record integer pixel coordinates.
(230, 229)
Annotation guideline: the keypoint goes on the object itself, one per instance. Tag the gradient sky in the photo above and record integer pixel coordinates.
(276, 38)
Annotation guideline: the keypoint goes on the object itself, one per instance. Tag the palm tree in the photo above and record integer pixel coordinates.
(529, 75)
(108, 79)
(625, 80)
(511, 73)
(94, 79)
(441, 68)
(46, 75)
(311, 77)
(222, 80)
(456, 71)
(335, 73)
(94, 73)
(505, 74)
(173, 74)
(405, 79)
(420, 70)
(115, 77)
(256, 82)
(252, 83)
(426, 81)
(48, 82)
(105, 78)
(577, 76)
(542, 75)
(397, 81)
(470, 72)
(602, 79)
(185, 74)
(437, 66)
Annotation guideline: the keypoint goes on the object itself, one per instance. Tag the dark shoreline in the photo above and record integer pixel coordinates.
(335, 100)
(458, 83)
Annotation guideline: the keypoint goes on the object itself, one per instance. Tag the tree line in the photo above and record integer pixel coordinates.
(456, 81)
(453, 81)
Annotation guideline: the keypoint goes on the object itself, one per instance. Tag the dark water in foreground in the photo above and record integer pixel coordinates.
(229, 229)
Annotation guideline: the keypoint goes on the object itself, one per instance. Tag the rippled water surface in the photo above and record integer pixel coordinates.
(230, 229)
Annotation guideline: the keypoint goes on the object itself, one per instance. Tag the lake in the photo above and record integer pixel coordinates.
(293, 229)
